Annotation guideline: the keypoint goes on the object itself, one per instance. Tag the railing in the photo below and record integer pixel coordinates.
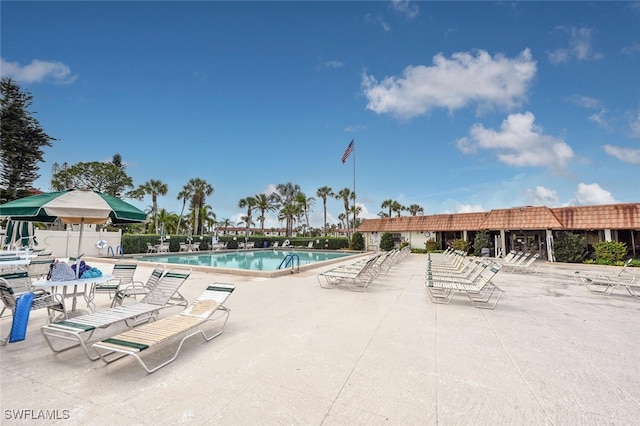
(289, 260)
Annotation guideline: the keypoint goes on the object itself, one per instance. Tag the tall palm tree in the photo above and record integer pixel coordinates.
(264, 203)
(286, 194)
(415, 209)
(355, 210)
(250, 204)
(324, 192)
(345, 195)
(207, 217)
(288, 213)
(305, 205)
(153, 187)
(387, 204)
(200, 190)
(184, 195)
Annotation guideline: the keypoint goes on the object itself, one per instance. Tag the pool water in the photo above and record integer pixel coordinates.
(259, 260)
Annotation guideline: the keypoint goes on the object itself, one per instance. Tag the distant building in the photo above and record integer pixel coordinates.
(529, 229)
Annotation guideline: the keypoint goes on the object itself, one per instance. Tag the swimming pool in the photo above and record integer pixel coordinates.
(250, 260)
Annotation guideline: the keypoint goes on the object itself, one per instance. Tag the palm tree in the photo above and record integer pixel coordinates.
(286, 194)
(355, 210)
(200, 189)
(249, 203)
(305, 205)
(387, 204)
(224, 224)
(169, 221)
(208, 218)
(397, 207)
(288, 213)
(153, 187)
(324, 192)
(415, 209)
(345, 194)
(264, 203)
(341, 218)
(185, 194)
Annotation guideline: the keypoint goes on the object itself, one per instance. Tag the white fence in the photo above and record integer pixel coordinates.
(65, 243)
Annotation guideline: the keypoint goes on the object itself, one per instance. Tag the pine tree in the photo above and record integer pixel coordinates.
(21, 142)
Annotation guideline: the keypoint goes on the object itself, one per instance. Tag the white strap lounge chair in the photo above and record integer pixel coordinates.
(123, 275)
(80, 329)
(481, 291)
(138, 288)
(188, 323)
(605, 283)
(357, 276)
(524, 267)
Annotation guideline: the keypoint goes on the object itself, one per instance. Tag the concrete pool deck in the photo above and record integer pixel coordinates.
(294, 353)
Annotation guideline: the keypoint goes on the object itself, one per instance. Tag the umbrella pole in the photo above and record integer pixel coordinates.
(79, 255)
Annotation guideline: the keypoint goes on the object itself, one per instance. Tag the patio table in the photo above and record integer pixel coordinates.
(87, 284)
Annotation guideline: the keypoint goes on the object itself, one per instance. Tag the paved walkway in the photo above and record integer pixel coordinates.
(296, 354)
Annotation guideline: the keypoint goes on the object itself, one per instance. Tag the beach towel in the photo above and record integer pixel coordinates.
(21, 317)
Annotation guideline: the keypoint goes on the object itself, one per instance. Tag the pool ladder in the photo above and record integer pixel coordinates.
(289, 260)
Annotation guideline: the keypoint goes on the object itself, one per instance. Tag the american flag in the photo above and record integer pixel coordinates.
(347, 152)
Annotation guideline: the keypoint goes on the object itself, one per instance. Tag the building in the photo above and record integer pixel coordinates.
(530, 228)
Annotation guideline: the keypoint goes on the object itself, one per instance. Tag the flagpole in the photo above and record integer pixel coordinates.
(354, 187)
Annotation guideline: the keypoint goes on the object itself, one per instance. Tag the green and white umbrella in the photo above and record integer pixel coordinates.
(75, 206)
(20, 234)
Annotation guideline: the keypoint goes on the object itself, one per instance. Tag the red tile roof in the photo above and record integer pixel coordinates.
(610, 216)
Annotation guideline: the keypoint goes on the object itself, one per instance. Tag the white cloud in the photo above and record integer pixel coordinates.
(378, 19)
(452, 84)
(519, 142)
(600, 119)
(334, 64)
(38, 71)
(592, 194)
(579, 46)
(406, 8)
(632, 50)
(634, 123)
(542, 196)
(458, 207)
(627, 155)
(585, 101)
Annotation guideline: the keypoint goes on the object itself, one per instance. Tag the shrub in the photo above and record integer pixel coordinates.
(569, 247)
(386, 242)
(460, 244)
(431, 245)
(610, 252)
(357, 241)
(481, 241)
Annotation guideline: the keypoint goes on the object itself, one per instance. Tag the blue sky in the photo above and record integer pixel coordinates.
(455, 106)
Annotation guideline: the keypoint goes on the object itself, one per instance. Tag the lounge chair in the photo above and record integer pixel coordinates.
(151, 248)
(138, 288)
(183, 247)
(605, 283)
(123, 273)
(80, 329)
(275, 244)
(358, 276)
(481, 291)
(186, 324)
(13, 285)
(39, 267)
(524, 267)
